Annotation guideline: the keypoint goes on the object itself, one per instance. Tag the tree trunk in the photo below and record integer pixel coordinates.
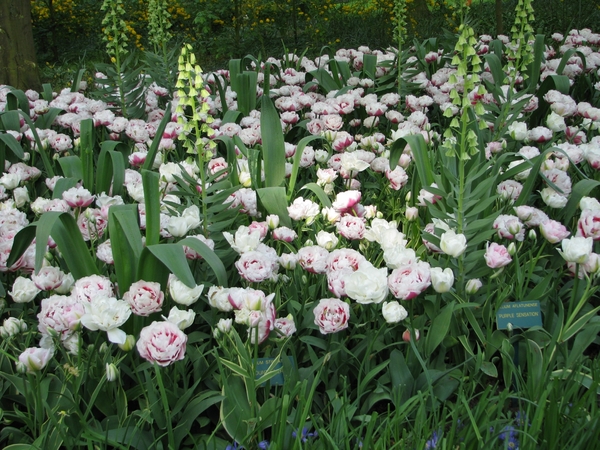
(18, 67)
(499, 24)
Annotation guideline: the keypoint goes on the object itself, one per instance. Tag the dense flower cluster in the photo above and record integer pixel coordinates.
(356, 235)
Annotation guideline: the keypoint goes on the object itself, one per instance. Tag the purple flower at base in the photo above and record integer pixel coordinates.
(509, 435)
(305, 434)
(263, 445)
(234, 446)
(432, 443)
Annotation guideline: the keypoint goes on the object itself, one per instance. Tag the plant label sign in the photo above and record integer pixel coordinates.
(519, 315)
(263, 364)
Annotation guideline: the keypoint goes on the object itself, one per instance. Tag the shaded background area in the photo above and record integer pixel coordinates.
(68, 33)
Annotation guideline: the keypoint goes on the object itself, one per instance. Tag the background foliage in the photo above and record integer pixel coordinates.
(68, 32)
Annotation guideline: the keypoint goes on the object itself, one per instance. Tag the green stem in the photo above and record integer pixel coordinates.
(461, 170)
(166, 409)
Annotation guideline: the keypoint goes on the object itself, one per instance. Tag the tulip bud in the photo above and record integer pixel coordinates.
(473, 285)
(412, 213)
(112, 373)
(273, 221)
(128, 344)
(406, 336)
(512, 249)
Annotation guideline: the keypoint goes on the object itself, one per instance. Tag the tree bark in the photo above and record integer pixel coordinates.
(18, 66)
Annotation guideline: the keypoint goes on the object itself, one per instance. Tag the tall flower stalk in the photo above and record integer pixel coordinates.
(159, 25)
(115, 36)
(460, 138)
(400, 34)
(193, 113)
(519, 52)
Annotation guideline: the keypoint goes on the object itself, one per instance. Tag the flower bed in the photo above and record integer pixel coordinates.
(358, 228)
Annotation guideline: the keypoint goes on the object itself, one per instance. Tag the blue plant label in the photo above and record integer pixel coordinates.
(263, 364)
(519, 315)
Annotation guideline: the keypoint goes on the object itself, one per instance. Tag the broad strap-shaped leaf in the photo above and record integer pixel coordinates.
(581, 189)
(71, 166)
(43, 152)
(150, 181)
(46, 120)
(65, 232)
(236, 412)
(557, 82)
(73, 248)
(319, 192)
(533, 70)
(10, 141)
(275, 202)
(296, 165)
(439, 328)
(21, 242)
(126, 243)
(64, 184)
(420, 153)
(326, 81)
(11, 120)
(157, 261)
(16, 99)
(113, 171)
(209, 256)
(370, 65)
(247, 88)
(273, 144)
(531, 179)
(153, 150)
(87, 153)
(231, 158)
(77, 80)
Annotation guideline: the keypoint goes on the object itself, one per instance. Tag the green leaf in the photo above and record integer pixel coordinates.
(126, 244)
(235, 68)
(531, 179)
(43, 152)
(236, 412)
(153, 150)
(370, 65)
(489, 369)
(319, 192)
(581, 189)
(439, 328)
(64, 184)
(65, 232)
(246, 94)
(235, 368)
(420, 153)
(557, 82)
(577, 325)
(21, 242)
(296, 165)
(209, 256)
(275, 202)
(160, 260)
(71, 167)
(193, 409)
(326, 81)
(150, 181)
(273, 144)
(87, 153)
(16, 99)
(10, 141)
(113, 172)
(21, 447)
(77, 80)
